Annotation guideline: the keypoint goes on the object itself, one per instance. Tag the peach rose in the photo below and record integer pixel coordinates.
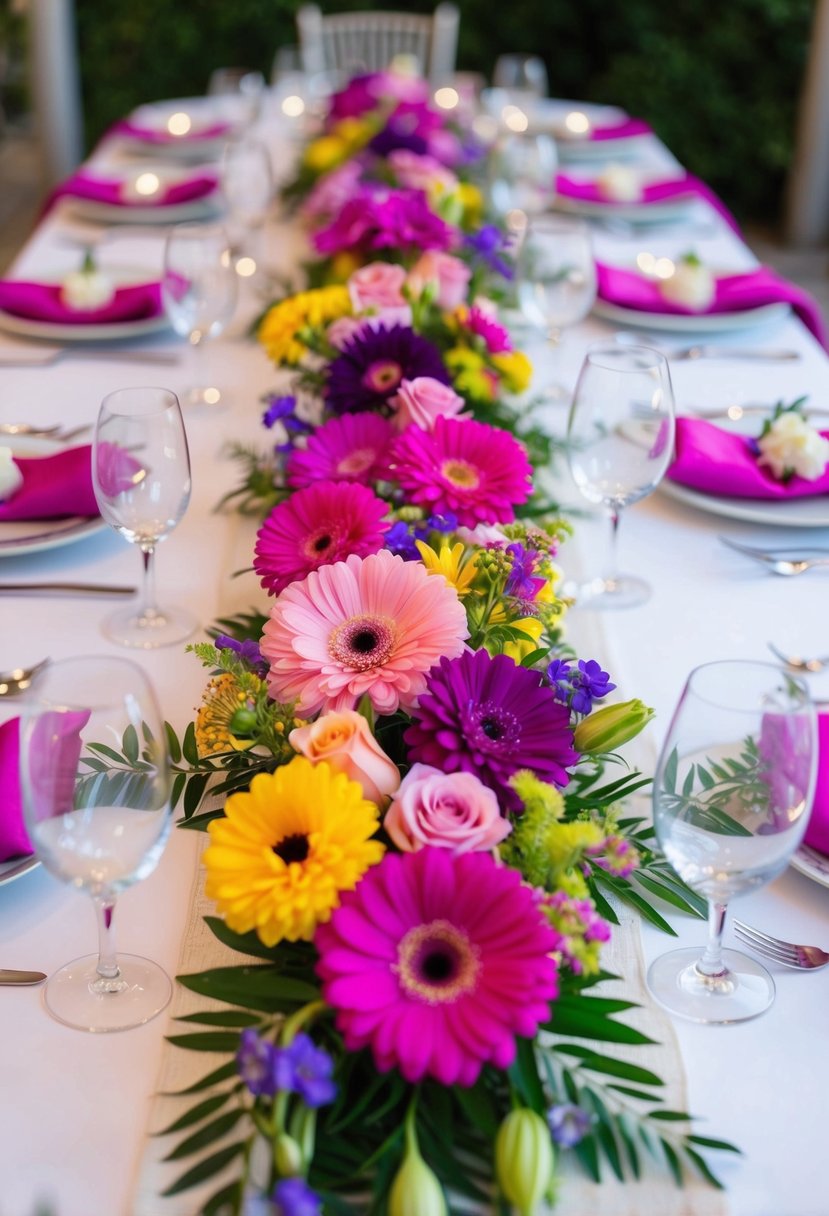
(377, 285)
(343, 739)
(449, 275)
(420, 401)
(447, 810)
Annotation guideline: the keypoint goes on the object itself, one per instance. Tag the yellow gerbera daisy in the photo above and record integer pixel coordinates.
(286, 849)
(450, 563)
(281, 325)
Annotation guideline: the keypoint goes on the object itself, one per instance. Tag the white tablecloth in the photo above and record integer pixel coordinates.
(73, 1106)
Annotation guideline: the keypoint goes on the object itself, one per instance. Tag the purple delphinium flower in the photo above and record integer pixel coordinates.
(294, 1197)
(283, 410)
(304, 1069)
(255, 1063)
(489, 243)
(523, 582)
(400, 539)
(568, 1124)
(370, 367)
(580, 688)
(486, 716)
(248, 651)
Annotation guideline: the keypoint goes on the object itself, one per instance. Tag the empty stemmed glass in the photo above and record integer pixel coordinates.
(247, 186)
(199, 293)
(731, 800)
(522, 171)
(95, 786)
(620, 436)
(141, 478)
(556, 280)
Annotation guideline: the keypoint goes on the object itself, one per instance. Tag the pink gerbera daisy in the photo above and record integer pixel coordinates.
(352, 448)
(324, 523)
(435, 977)
(477, 472)
(486, 326)
(370, 626)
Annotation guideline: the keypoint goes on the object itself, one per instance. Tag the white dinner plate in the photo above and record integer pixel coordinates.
(791, 513)
(203, 112)
(633, 213)
(112, 331)
(811, 863)
(692, 323)
(551, 114)
(36, 535)
(174, 213)
(16, 867)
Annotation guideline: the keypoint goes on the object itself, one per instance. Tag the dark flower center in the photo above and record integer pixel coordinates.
(292, 848)
(363, 642)
(491, 728)
(382, 376)
(322, 542)
(437, 963)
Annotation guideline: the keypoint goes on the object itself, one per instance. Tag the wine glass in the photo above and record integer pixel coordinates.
(620, 439)
(556, 279)
(238, 93)
(199, 294)
(523, 75)
(731, 799)
(141, 478)
(95, 786)
(247, 186)
(522, 171)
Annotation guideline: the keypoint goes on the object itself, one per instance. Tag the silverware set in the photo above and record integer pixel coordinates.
(23, 429)
(19, 678)
(785, 561)
(787, 954)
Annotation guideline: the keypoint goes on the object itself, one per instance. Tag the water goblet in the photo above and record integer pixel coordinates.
(95, 787)
(247, 186)
(620, 434)
(521, 73)
(199, 293)
(141, 478)
(522, 171)
(556, 281)
(238, 93)
(731, 800)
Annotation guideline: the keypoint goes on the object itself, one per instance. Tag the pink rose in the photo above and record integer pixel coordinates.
(418, 172)
(377, 285)
(420, 401)
(343, 740)
(447, 810)
(449, 275)
(341, 331)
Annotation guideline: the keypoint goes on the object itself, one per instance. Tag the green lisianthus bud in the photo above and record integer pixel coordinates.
(416, 1190)
(243, 721)
(609, 727)
(524, 1159)
(287, 1156)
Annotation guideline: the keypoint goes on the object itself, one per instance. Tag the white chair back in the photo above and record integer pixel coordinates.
(368, 41)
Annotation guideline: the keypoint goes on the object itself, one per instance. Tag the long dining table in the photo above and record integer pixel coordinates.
(73, 1106)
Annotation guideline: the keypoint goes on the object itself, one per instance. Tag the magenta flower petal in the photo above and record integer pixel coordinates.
(352, 448)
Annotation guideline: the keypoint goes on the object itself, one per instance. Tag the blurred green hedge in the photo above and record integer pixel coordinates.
(719, 82)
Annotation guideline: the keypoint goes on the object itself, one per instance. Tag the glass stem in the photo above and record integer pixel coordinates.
(197, 361)
(711, 963)
(107, 960)
(149, 608)
(612, 574)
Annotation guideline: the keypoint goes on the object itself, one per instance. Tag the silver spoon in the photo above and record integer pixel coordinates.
(19, 679)
(25, 428)
(786, 562)
(797, 663)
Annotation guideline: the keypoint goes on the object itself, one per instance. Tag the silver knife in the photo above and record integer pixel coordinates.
(22, 977)
(63, 589)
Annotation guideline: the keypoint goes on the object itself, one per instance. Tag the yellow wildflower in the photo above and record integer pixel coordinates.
(286, 849)
(222, 701)
(470, 375)
(325, 153)
(472, 203)
(516, 369)
(459, 571)
(343, 266)
(533, 628)
(282, 324)
(355, 132)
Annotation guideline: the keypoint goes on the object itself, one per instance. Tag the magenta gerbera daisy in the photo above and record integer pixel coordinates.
(436, 978)
(477, 472)
(326, 522)
(370, 626)
(488, 716)
(370, 367)
(352, 448)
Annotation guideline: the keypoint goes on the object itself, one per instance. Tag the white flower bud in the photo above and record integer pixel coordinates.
(620, 184)
(11, 479)
(792, 446)
(692, 285)
(87, 290)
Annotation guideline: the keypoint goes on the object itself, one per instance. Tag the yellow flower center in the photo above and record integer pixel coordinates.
(461, 474)
(437, 963)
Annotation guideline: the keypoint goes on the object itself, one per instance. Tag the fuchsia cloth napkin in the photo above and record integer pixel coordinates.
(817, 833)
(111, 190)
(624, 128)
(734, 293)
(159, 135)
(53, 486)
(42, 302)
(14, 840)
(719, 462)
(683, 186)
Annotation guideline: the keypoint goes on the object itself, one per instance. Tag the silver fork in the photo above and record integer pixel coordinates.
(787, 954)
(786, 562)
(814, 665)
(18, 680)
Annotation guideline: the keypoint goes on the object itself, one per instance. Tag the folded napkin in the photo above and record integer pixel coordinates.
(720, 462)
(14, 840)
(734, 293)
(160, 135)
(42, 302)
(113, 190)
(817, 831)
(623, 128)
(53, 486)
(684, 186)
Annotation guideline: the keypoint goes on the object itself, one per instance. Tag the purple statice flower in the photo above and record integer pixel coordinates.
(568, 1124)
(283, 410)
(489, 244)
(400, 539)
(304, 1069)
(255, 1063)
(579, 688)
(248, 651)
(481, 714)
(382, 218)
(523, 582)
(370, 367)
(294, 1197)
(616, 855)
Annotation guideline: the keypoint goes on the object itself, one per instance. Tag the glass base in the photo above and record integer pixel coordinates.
(145, 631)
(620, 591)
(79, 997)
(744, 990)
(202, 394)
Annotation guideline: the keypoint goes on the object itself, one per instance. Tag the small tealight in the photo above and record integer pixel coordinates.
(11, 479)
(179, 123)
(620, 184)
(514, 119)
(577, 125)
(447, 98)
(692, 285)
(145, 186)
(293, 106)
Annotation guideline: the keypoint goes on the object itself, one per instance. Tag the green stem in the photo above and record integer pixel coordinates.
(297, 1020)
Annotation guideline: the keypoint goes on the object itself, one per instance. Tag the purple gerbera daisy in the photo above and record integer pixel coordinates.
(487, 716)
(352, 448)
(370, 368)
